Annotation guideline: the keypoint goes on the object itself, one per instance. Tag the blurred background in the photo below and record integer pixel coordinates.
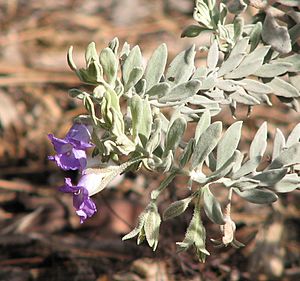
(40, 235)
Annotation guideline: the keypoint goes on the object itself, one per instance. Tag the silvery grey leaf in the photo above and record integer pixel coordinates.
(135, 75)
(213, 108)
(251, 63)
(175, 133)
(256, 86)
(208, 83)
(247, 168)
(283, 88)
(182, 67)
(255, 35)
(279, 144)
(201, 100)
(275, 35)
(155, 136)
(202, 124)
(212, 207)
(295, 81)
(156, 66)
(134, 60)
(273, 69)
(294, 136)
(114, 45)
(182, 91)
(213, 55)
(109, 64)
(259, 143)
(258, 196)
(227, 85)
(262, 98)
(236, 56)
(202, 14)
(206, 143)
(124, 51)
(70, 60)
(241, 96)
(270, 177)
(243, 184)
(289, 183)
(141, 118)
(187, 153)
(158, 90)
(238, 163)
(200, 73)
(225, 168)
(294, 60)
(228, 143)
(287, 157)
(91, 54)
(151, 226)
(176, 208)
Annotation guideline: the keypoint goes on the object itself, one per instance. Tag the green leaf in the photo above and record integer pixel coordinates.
(238, 25)
(109, 64)
(283, 88)
(258, 196)
(187, 153)
(255, 35)
(287, 157)
(133, 61)
(228, 143)
(156, 66)
(206, 143)
(213, 55)
(182, 67)
(175, 133)
(177, 208)
(192, 31)
(235, 57)
(271, 177)
(151, 226)
(212, 207)
(155, 136)
(182, 91)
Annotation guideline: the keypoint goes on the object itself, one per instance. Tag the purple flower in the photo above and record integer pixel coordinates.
(85, 207)
(71, 150)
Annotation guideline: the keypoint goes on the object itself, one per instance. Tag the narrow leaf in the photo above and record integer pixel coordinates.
(212, 207)
(156, 66)
(206, 143)
(177, 208)
(258, 196)
(228, 143)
